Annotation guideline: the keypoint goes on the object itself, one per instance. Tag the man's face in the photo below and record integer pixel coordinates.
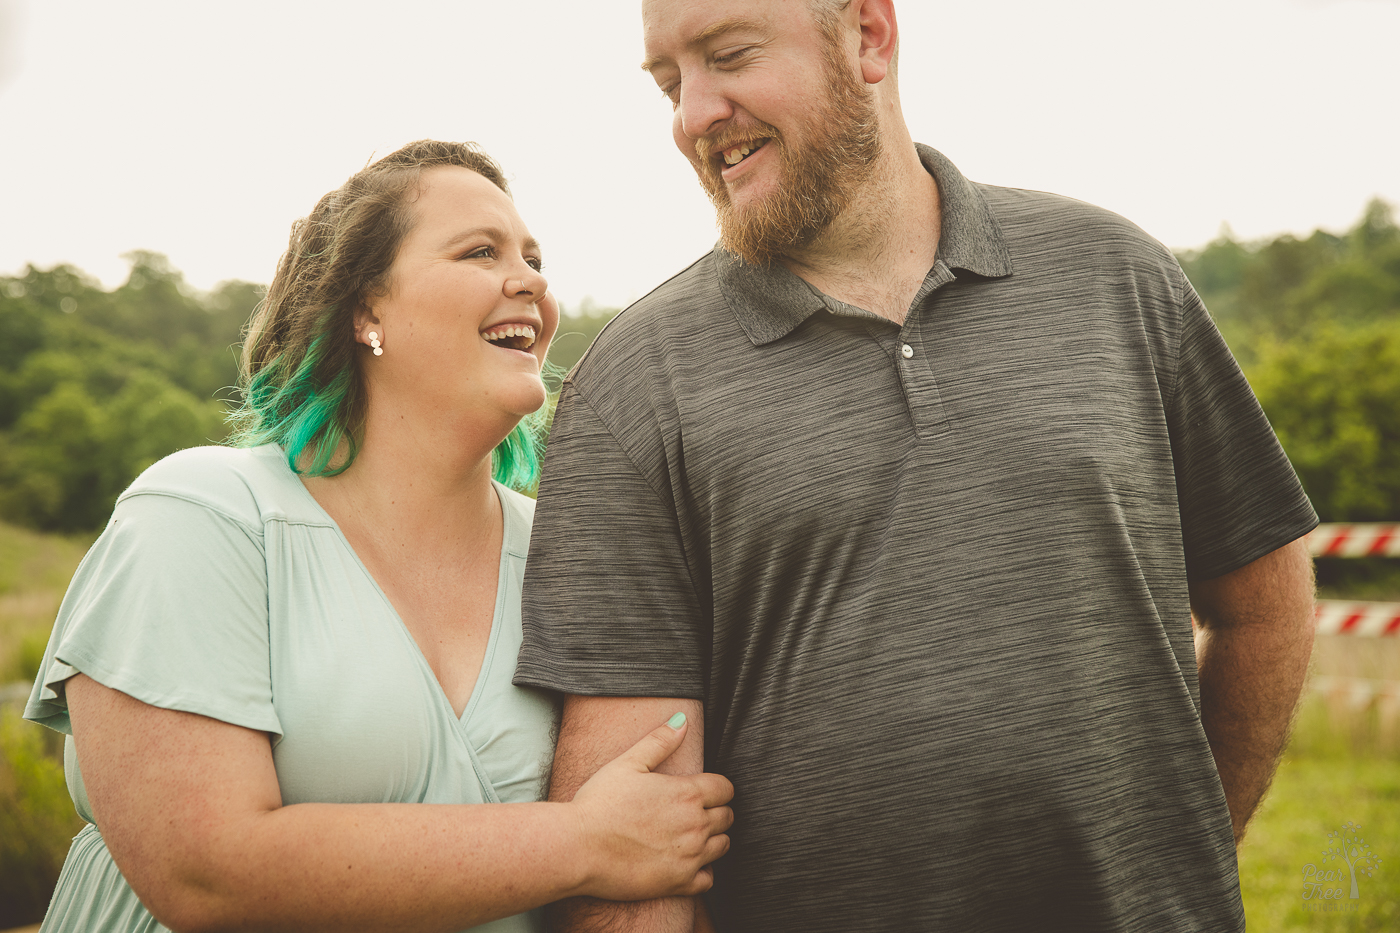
(769, 112)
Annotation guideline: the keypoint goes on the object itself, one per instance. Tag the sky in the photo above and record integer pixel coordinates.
(202, 130)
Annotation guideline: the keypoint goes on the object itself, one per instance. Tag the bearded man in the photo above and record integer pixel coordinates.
(906, 495)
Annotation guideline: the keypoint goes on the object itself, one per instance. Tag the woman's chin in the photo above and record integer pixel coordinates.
(525, 401)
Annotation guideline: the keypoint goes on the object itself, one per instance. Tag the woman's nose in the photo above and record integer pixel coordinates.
(528, 282)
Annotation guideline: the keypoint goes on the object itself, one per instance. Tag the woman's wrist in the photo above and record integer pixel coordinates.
(580, 849)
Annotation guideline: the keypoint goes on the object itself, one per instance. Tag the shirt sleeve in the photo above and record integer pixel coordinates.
(1238, 494)
(169, 607)
(610, 607)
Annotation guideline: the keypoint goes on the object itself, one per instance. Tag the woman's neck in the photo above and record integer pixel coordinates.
(415, 485)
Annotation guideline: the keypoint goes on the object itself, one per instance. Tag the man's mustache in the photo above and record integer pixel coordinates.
(707, 147)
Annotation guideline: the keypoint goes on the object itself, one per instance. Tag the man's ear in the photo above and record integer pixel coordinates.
(879, 37)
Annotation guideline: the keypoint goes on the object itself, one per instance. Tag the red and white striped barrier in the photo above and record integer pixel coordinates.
(1355, 541)
(1340, 617)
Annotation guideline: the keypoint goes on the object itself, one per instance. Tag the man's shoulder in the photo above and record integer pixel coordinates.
(687, 306)
(1043, 219)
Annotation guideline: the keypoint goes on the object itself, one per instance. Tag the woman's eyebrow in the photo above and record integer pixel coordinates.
(491, 233)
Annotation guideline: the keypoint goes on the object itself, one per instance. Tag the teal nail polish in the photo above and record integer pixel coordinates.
(676, 721)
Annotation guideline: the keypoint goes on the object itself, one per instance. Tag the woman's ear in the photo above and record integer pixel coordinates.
(369, 331)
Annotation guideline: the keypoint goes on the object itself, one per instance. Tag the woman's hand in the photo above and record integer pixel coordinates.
(652, 834)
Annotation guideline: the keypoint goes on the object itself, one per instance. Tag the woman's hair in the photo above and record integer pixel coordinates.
(300, 374)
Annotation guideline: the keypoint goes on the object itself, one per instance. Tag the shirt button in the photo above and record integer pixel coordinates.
(906, 351)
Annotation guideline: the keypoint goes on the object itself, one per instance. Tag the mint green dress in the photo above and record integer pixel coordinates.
(221, 587)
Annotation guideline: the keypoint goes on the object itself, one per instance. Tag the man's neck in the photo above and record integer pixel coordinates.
(877, 253)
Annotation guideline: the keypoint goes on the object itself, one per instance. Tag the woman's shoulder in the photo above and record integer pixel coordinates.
(246, 484)
(519, 512)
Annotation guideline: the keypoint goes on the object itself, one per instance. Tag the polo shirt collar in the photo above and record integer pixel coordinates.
(771, 301)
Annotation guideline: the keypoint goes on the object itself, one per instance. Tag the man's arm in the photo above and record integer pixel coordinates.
(1253, 641)
(594, 731)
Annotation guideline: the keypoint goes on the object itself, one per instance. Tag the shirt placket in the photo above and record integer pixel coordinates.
(915, 363)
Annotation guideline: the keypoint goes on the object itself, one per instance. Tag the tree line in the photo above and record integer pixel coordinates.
(96, 385)
(1315, 323)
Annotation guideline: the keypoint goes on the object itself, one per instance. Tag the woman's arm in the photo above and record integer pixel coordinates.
(191, 811)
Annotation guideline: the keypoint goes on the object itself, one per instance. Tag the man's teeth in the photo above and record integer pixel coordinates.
(737, 154)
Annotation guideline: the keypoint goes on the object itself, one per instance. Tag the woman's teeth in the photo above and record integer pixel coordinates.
(513, 336)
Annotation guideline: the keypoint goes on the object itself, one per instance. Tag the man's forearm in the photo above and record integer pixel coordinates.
(592, 732)
(1252, 648)
(590, 915)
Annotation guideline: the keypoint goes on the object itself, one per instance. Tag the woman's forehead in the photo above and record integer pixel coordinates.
(452, 199)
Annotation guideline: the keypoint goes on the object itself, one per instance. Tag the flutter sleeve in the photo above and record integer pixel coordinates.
(169, 607)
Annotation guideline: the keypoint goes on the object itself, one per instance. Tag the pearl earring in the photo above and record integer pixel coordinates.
(374, 342)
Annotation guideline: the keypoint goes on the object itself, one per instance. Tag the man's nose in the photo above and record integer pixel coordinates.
(703, 107)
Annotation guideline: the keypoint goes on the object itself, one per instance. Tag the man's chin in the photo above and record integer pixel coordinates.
(752, 240)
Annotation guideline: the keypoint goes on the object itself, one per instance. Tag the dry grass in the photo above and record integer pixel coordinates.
(34, 572)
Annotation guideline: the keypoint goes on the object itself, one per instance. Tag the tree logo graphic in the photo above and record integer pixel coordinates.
(1343, 847)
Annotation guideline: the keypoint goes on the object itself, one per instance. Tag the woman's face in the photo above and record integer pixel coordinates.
(465, 323)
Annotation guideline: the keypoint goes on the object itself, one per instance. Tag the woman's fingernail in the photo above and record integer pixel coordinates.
(676, 721)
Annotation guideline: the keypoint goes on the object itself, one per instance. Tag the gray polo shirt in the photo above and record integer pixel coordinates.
(930, 581)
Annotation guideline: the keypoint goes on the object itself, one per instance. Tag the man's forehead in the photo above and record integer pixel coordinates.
(702, 33)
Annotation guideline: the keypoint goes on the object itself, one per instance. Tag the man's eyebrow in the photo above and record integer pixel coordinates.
(706, 34)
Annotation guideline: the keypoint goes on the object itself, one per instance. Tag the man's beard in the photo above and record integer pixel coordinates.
(819, 176)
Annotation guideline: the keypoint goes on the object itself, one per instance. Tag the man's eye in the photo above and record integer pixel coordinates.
(730, 58)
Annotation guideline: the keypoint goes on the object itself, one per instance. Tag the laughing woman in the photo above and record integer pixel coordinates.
(285, 667)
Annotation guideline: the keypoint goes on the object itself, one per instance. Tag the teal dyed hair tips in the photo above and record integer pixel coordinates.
(298, 414)
(515, 462)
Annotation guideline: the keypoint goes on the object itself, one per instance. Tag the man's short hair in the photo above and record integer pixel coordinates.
(826, 11)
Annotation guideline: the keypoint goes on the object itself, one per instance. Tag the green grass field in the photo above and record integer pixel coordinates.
(1343, 766)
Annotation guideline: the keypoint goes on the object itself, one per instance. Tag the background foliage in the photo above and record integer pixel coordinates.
(95, 385)
(37, 819)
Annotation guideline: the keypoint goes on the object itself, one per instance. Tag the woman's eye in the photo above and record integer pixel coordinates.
(536, 263)
(485, 252)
